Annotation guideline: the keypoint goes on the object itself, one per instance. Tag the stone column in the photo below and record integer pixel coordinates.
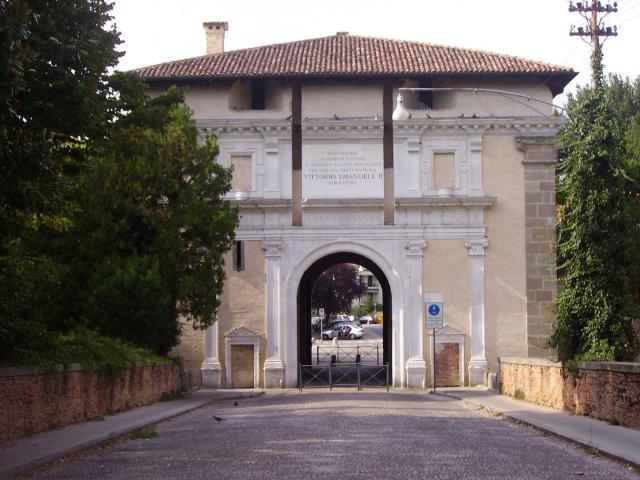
(539, 164)
(211, 368)
(416, 367)
(274, 364)
(478, 362)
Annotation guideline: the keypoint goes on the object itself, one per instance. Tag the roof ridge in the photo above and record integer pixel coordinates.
(228, 52)
(351, 55)
(368, 37)
(466, 49)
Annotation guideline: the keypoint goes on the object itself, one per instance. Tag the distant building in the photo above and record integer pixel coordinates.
(454, 203)
(374, 291)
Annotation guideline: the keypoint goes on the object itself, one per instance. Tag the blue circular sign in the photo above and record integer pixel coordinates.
(434, 310)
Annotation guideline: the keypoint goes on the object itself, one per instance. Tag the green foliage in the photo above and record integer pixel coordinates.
(596, 229)
(110, 214)
(147, 246)
(518, 394)
(368, 307)
(54, 59)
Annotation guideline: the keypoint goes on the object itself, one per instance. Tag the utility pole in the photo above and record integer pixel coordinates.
(595, 27)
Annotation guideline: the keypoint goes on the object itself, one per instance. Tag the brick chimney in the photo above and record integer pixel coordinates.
(215, 36)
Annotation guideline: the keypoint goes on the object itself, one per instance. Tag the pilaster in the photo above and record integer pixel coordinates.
(416, 367)
(478, 364)
(211, 368)
(274, 363)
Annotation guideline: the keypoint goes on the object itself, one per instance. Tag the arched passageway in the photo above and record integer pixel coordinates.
(305, 289)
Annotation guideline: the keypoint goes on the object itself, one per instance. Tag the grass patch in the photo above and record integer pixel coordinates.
(614, 421)
(591, 451)
(518, 394)
(145, 433)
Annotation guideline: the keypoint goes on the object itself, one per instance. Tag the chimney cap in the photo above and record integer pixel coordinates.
(342, 34)
(216, 25)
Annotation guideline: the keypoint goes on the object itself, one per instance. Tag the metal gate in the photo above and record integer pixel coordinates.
(334, 374)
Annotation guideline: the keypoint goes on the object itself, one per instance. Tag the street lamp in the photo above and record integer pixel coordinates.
(400, 113)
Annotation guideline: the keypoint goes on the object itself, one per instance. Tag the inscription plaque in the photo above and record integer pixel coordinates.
(342, 171)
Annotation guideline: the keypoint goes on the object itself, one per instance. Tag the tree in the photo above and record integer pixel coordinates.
(367, 307)
(54, 61)
(336, 289)
(625, 99)
(594, 307)
(146, 249)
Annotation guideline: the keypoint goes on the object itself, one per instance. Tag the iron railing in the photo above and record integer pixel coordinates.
(344, 374)
(367, 354)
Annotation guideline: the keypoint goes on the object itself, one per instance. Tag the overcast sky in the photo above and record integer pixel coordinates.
(156, 31)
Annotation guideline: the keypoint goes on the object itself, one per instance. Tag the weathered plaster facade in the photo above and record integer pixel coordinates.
(468, 243)
(457, 202)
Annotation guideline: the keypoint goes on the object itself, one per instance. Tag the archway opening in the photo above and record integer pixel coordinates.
(309, 334)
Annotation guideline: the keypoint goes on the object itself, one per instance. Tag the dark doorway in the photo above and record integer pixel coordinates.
(304, 302)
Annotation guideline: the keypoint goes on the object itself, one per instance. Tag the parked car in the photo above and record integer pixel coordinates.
(349, 330)
(367, 320)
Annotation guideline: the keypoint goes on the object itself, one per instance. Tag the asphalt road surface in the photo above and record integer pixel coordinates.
(341, 435)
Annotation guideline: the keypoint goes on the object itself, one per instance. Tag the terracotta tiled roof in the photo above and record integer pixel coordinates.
(344, 54)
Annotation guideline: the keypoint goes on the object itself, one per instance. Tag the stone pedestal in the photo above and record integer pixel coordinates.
(273, 373)
(416, 372)
(211, 373)
(478, 371)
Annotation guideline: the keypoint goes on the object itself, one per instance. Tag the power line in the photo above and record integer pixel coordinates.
(628, 11)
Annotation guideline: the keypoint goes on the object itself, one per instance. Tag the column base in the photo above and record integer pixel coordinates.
(478, 368)
(211, 373)
(273, 373)
(416, 372)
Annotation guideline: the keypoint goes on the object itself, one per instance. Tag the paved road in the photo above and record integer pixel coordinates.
(341, 435)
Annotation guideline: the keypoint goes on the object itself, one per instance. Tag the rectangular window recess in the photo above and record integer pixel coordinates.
(238, 256)
(426, 97)
(258, 94)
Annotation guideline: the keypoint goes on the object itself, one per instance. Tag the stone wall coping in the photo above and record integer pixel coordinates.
(536, 362)
(72, 367)
(626, 367)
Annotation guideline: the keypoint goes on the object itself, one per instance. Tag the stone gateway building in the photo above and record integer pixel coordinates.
(452, 202)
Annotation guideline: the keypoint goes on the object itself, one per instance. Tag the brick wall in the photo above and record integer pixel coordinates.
(447, 364)
(605, 390)
(32, 400)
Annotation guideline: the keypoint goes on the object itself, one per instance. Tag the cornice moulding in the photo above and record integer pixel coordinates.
(446, 202)
(542, 126)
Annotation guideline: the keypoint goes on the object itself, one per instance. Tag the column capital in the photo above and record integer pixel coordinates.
(476, 246)
(525, 142)
(415, 247)
(539, 149)
(272, 248)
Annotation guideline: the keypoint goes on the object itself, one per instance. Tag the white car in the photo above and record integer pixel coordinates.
(367, 319)
(343, 330)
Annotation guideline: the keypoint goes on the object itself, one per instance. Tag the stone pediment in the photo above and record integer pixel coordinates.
(447, 330)
(241, 332)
